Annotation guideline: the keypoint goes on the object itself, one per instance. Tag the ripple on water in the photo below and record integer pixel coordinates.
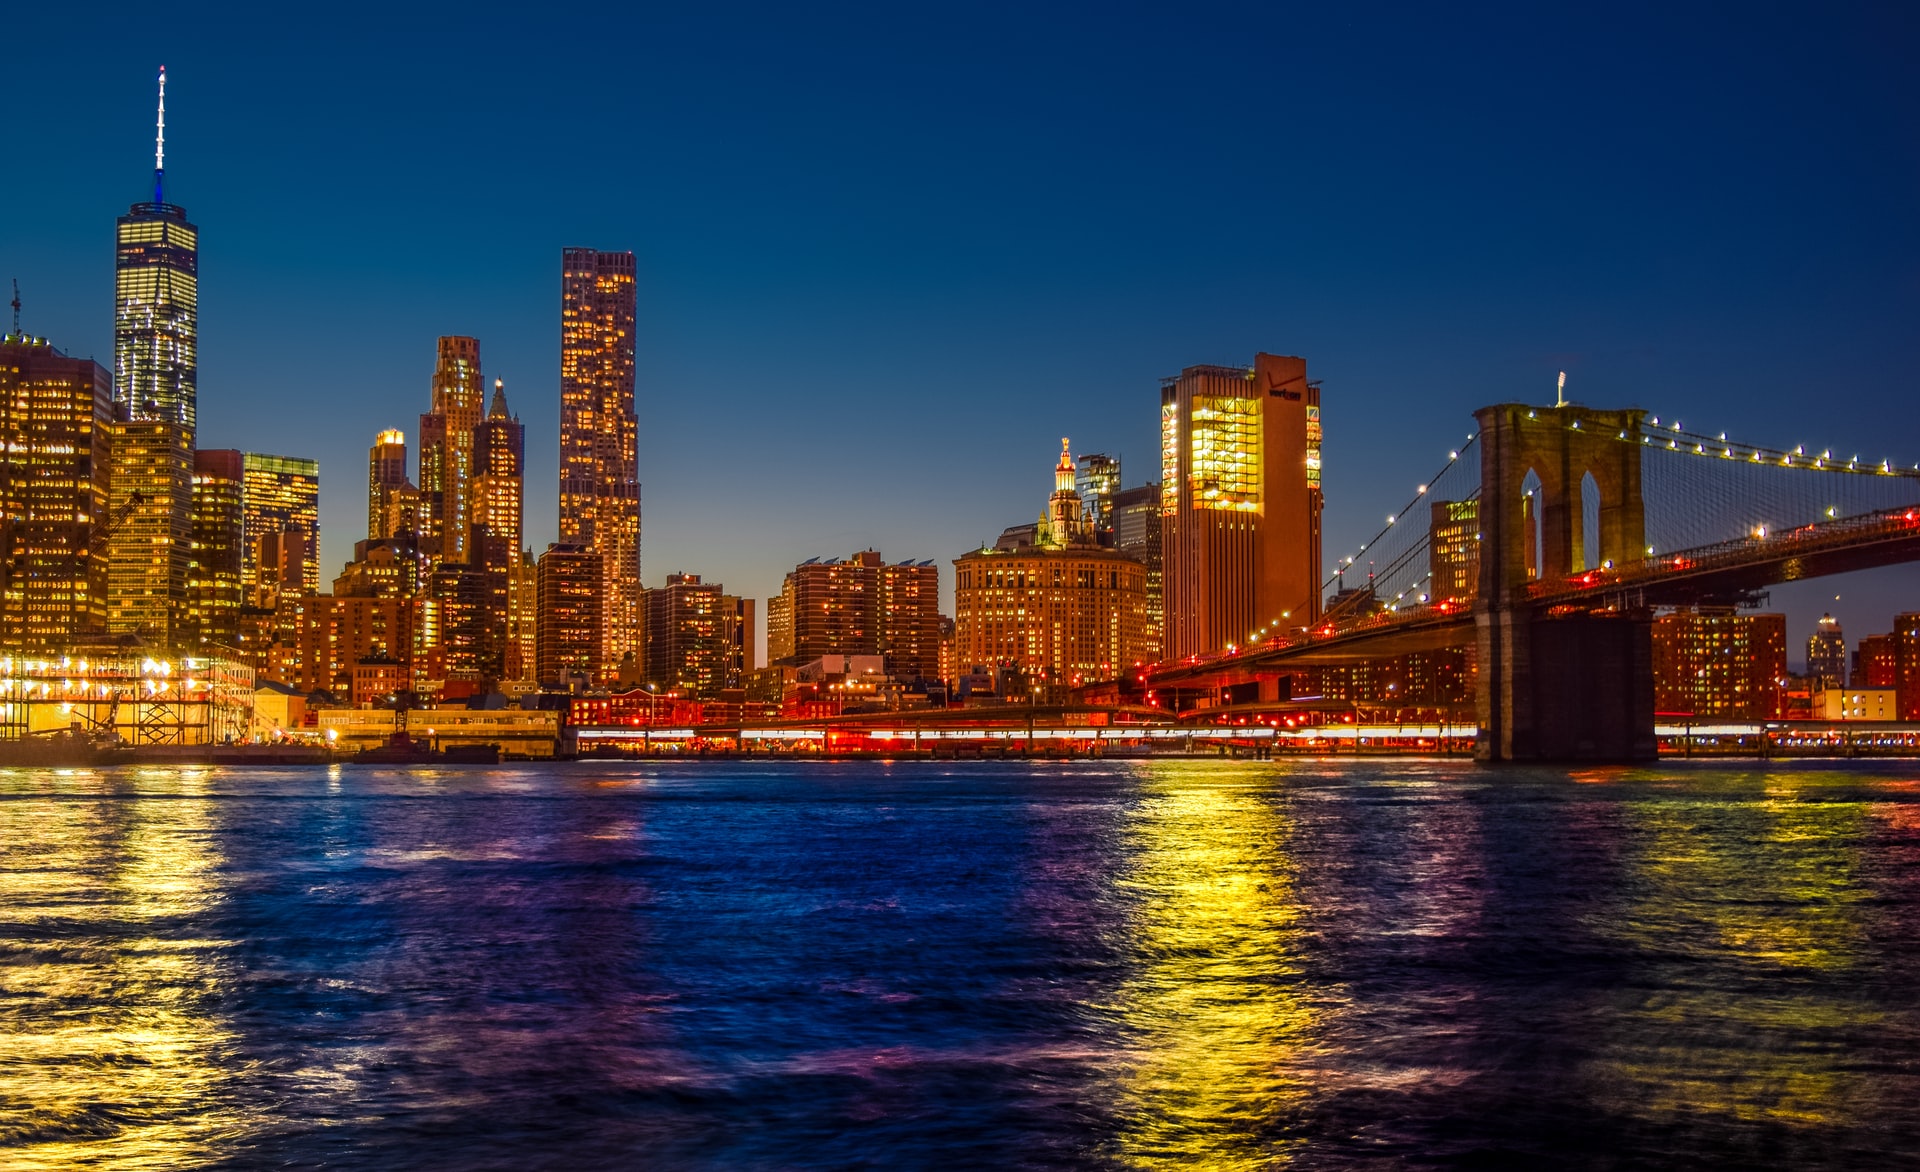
(1167, 963)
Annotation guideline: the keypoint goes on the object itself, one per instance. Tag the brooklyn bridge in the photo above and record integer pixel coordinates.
(1531, 564)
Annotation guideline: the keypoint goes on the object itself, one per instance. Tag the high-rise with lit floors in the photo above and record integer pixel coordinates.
(1718, 664)
(1827, 654)
(499, 468)
(1097, 478)
(689, 644)
(1136, 533)
(568, 584)
(216, 571)
(599, 469)
(386, 477)
(150, 538)
(446, 452)
(860, 606)
(156, 322)
(54, 438)
(1239, 501)
(282, 498)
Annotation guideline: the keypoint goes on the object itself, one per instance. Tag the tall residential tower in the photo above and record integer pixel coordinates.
(599, 462)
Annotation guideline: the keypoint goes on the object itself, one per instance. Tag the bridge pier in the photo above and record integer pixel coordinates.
(1575, 687)
(1572, 688)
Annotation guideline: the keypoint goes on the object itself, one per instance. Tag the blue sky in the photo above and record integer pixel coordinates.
(890, 255)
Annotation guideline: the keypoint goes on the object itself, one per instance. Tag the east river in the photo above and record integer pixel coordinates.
(1171, 963)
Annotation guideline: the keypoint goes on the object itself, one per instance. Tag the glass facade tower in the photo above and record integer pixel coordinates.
(283, 496)
(156, 329)
(156, 315)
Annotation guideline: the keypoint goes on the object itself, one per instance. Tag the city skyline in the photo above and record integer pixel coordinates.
(1710, 370)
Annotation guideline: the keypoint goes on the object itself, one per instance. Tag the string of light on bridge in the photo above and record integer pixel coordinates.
(1280, 625)
(1673, 437)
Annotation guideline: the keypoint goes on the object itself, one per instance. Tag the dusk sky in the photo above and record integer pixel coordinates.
(889, 256)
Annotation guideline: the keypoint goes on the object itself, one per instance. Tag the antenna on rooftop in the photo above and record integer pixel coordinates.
(16, 306)
(160, 141)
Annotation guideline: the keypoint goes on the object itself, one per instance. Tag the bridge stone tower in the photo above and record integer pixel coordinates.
(1559, 687)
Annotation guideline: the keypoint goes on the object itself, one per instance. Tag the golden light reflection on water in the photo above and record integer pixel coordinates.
(108, 1056)
(1752, 909)
(1213, 1009)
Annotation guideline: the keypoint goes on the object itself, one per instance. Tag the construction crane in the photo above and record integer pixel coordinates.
(114, 519)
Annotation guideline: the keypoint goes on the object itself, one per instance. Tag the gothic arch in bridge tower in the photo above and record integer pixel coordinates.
(1566, 449)
(1587, 520)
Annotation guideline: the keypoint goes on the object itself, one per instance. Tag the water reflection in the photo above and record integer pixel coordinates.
(1184, 963)
(447, 966)
(1214, 1013)
(112, 1053)
(1745, 910)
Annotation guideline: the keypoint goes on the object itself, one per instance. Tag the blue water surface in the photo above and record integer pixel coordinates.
(765, 965)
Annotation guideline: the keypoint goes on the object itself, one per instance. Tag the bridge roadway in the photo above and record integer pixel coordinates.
(1745, 564)
(1688, 577)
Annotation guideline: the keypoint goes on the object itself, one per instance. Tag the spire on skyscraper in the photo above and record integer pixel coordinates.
(160, 142)
(156, 300)
(498, 408)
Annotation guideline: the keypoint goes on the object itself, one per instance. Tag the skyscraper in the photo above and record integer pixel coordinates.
(283, 496)
(150, 494)
(499, 465)
(156, 319)
(1827, 654)
(1240, 501)
(156, 324)
(523, 622)
(1097, 479)
(599, 463)
(386, 475)
(215, 572)
(54, 436)
(1136, 533)
(456, 649)
(446, 452)
(569, 579)
(1453, 558)
(499, 468)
